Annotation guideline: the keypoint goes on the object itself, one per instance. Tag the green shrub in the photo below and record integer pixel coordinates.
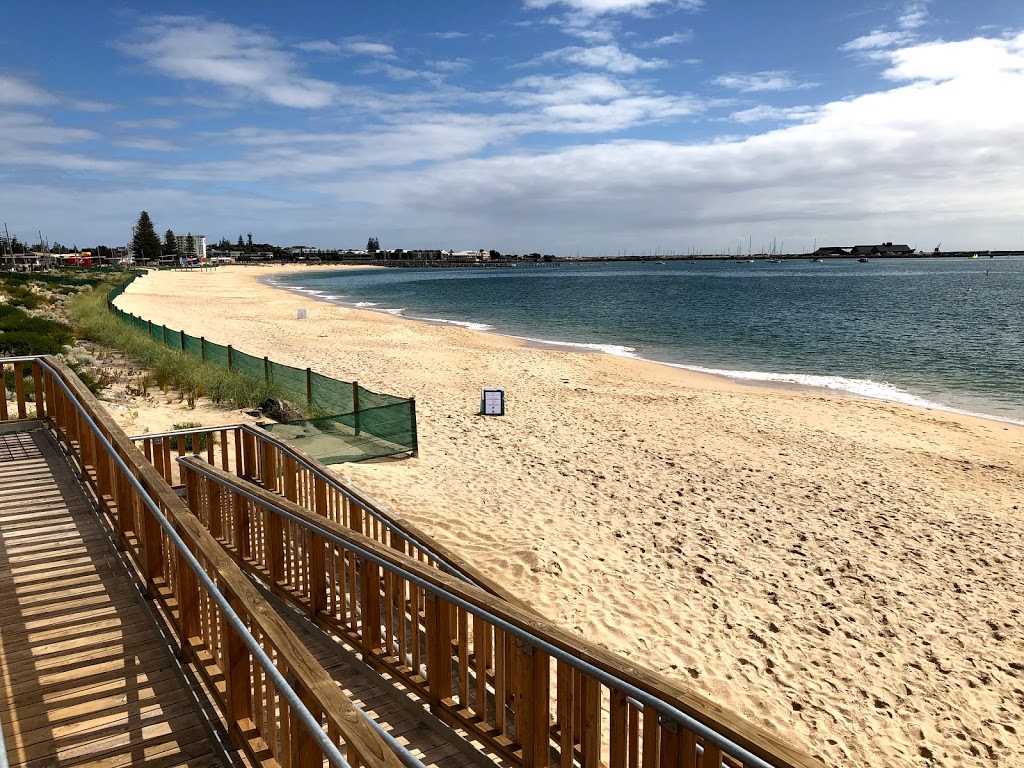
(21, 334)
(171, 368)
(202, 439)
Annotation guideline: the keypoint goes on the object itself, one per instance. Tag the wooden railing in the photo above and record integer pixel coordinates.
(280, 706)
(533, 692)
(256, 455)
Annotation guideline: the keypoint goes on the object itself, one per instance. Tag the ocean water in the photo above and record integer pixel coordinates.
(946, 333)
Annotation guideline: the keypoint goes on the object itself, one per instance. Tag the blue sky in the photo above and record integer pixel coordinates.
(562, 126)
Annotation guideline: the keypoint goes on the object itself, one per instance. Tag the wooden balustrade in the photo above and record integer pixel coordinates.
(220, 445)
(259, 720)
(288, 471)
(19, 391)
(254, 454)
(451, 643)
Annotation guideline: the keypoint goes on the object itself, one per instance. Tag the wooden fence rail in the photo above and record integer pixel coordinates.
(260, 720)
(535, 693)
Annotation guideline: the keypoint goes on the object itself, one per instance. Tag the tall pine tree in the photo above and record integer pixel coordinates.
(145, 242)
(170, 243)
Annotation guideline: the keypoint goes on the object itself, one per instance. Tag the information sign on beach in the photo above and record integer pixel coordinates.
(302, 314)
(492, 401)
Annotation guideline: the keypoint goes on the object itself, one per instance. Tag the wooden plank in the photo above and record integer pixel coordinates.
(652, 738)
(19, 390)
(617, 730)
(3, 392)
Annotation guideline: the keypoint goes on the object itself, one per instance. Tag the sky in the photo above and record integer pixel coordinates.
(590, 127)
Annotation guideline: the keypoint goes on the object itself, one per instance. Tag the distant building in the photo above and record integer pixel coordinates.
(884, 249)
(198, 240)
(831, 250)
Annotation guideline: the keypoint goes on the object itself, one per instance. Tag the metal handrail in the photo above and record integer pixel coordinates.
(312, 724)
(610, 680)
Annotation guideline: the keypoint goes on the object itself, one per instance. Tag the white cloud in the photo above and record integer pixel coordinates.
(596, 7)
(914, 15)
(673, 39)
(759, 82)
(449, 65)
(148, 144)
(928, 160)
(765, 112)
(876, 40)
(364, 47)
(319, 46)
(15, 90)
(976, 58)
(609, 57)
(450, 35)
(246, 62)
(149, 123)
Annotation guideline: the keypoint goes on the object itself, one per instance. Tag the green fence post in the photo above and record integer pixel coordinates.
(266, 370)
(415, 439)
(309, 387)
(355, 403)
(182, 340)
(202, 346)
(231, 357)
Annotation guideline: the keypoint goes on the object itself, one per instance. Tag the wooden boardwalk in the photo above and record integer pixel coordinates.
(86, 677)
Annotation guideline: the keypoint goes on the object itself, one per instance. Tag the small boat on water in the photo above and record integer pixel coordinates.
(862, 261)
(818, 261)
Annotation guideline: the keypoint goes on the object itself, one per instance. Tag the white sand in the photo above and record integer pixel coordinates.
(842, 572)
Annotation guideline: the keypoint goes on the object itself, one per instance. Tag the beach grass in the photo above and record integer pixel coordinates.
(171, 368)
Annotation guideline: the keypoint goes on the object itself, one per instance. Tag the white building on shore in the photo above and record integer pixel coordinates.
(198, 240)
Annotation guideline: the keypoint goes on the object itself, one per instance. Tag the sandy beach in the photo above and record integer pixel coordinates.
(844, 573)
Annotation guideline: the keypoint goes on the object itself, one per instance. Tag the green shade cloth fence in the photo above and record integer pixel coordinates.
(362, 424)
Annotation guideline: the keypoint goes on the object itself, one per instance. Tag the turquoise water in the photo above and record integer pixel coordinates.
(935, 332)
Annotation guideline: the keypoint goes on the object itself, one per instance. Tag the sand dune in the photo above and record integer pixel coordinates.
(844, 573)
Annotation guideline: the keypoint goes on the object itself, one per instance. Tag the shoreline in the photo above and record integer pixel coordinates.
(787, 382)
(840, 571)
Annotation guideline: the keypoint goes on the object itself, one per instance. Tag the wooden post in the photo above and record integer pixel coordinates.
(309, 387)
(618, 736)
(369, 583)
(566, 707)
(235, 666)
(40, 397)
(355, 403)
(266, 370)
(3, 392)
(231, 358)
(182, 333)
(303, 750)
(274, 546)
(19, 389)
(532, 722)
(316, 578)
(591, 730)
(202, 347)
(166, 342)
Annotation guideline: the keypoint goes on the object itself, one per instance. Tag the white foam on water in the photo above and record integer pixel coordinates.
(608, 349)
(366, 304)
(460, 323)
(874, 390)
